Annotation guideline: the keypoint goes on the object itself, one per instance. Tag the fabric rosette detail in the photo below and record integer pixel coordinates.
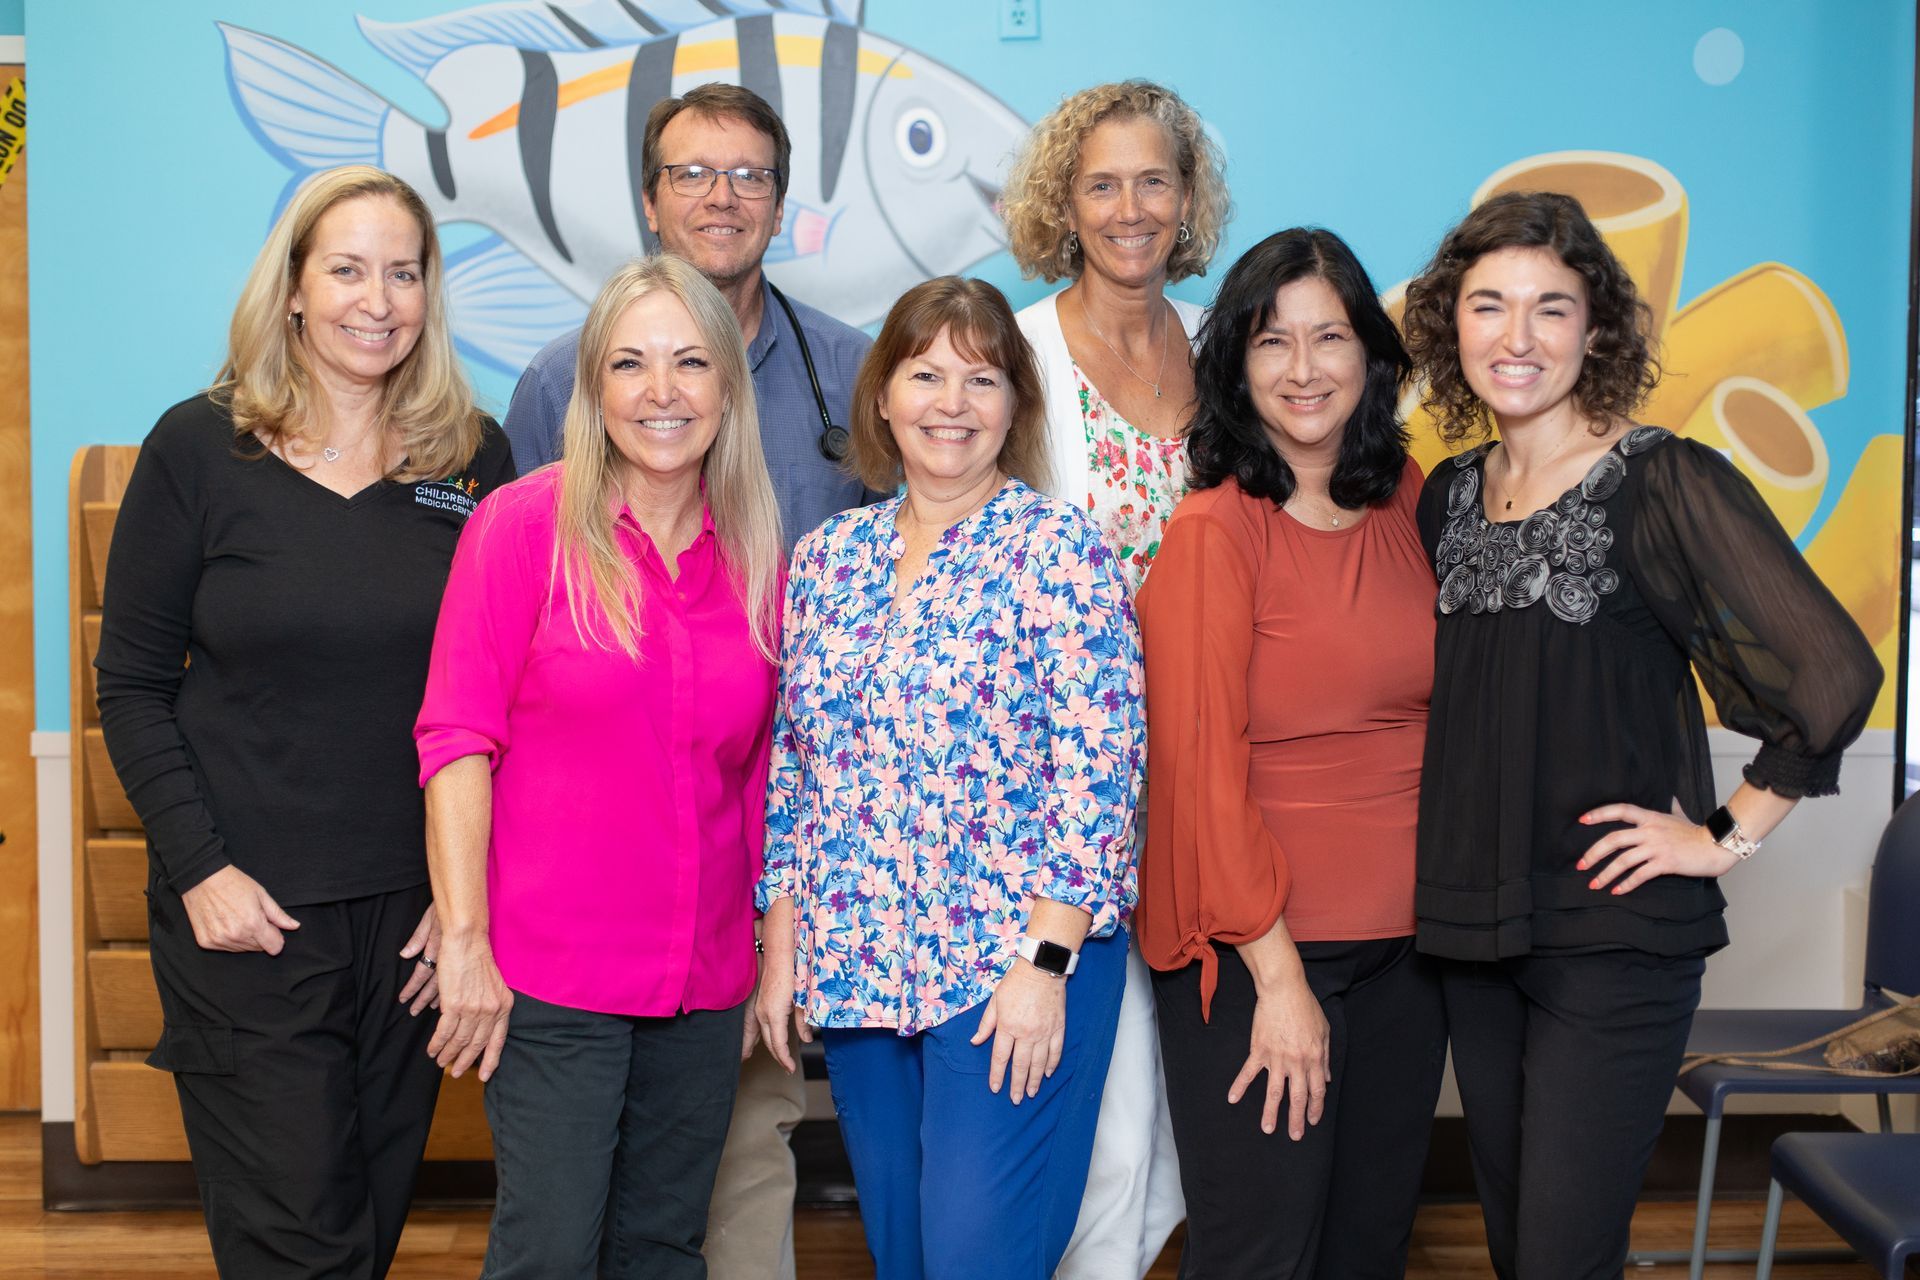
(1526, 581)
(1539, 532)
(1461, 493)
(1603, 481)
(1457, 588)
(1642, 438)
(1571, 598)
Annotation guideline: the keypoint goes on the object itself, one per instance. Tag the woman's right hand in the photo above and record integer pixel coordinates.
(474, 1004)
(773, 1006)
(230, 911)
(1292, 1045)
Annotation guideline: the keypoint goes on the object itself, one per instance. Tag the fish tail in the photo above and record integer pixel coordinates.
(307, 112)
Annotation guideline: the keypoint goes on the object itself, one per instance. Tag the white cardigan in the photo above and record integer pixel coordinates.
(1066, 434)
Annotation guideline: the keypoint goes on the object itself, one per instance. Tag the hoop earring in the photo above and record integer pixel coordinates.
(1073, 244)
(1184, 235)
(297, 321)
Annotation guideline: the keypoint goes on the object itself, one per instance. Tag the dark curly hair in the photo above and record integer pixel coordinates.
(1226, 438)
(1620, 369)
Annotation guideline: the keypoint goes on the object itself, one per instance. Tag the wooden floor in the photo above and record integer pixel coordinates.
(442, 1245)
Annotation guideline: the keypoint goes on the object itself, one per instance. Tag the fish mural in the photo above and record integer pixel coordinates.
(897, 162)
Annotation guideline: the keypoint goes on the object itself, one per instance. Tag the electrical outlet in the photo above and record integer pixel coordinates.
(1019, 19)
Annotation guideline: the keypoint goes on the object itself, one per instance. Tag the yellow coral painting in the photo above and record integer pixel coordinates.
(1746, 362)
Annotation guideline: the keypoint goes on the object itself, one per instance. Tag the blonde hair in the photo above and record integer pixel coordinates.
(746, 518)
(977, 320)
(266, 383)
(1039, 191)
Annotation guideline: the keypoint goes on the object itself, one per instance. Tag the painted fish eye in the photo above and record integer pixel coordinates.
(921, 136)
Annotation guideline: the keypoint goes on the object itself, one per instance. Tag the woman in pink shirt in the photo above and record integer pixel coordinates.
(594, 747)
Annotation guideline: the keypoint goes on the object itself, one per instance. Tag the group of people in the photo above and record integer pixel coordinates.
(1089, 725)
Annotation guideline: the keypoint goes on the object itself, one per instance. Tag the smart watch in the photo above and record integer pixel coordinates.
(1049, 958)
(1726, 832)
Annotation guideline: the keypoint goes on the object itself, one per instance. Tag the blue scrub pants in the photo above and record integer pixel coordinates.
(955, 1181)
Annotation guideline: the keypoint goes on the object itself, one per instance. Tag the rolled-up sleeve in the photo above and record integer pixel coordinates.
(494, 597)
(1087, 651)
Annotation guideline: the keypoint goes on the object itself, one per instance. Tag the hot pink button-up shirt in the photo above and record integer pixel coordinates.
(628, 797)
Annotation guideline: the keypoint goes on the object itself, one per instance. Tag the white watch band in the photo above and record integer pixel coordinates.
(1029, 948)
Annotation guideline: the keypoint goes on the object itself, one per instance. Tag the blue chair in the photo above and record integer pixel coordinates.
(1866, 1186)
(1893, 966)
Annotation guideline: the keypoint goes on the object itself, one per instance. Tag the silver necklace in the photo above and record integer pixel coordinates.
(1153, 382)
(329, 453)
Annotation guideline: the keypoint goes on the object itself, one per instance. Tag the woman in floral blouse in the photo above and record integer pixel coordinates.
(1120, 192)
(957, 745)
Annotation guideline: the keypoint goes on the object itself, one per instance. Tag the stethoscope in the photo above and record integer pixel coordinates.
(833, 440)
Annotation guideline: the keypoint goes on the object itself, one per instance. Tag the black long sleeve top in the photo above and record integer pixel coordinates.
(1563, 653)
(263, 653)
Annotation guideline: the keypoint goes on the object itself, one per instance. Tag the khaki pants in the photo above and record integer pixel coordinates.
(750, 1223)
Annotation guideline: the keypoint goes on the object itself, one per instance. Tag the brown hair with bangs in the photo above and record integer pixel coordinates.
(982, 328)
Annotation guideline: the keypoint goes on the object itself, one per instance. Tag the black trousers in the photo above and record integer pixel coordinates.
(304, 1083)
(607, 1131)
(1340, 1202)
(1565, 1064)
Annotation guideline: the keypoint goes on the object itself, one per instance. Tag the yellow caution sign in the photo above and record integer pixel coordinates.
(13, 125)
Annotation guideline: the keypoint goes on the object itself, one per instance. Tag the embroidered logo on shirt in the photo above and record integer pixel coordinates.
(454, 494)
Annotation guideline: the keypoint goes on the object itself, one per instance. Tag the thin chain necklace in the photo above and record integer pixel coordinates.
(1507, 467)
(1153, 382)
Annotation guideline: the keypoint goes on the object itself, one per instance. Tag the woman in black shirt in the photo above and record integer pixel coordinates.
(1569, 838)
(270, 601)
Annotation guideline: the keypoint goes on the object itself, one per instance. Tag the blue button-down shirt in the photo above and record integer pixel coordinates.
(810, 487)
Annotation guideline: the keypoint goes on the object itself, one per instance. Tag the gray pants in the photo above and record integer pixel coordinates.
(606, 1133)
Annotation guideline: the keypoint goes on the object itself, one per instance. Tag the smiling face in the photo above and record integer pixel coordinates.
(1306, 369)
(1523, 322)
(361, 295)
(722, 235)
(1126, 203)
(661, 397)
(949, 415)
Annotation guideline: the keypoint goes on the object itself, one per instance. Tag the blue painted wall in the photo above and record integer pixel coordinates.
(1375, 117)
(13, 17)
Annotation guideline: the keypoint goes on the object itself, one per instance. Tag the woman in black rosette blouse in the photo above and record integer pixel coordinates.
(1570, 838)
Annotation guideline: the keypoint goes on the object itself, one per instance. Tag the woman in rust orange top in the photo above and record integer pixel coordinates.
(1289, 646)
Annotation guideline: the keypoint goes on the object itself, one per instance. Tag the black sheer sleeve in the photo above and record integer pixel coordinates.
(153, 570)
(1782, 661)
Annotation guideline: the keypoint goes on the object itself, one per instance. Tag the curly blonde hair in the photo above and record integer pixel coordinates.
(1040, 186)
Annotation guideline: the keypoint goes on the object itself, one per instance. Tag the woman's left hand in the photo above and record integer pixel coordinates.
(1653, 844)
(1027, 1018)
(423, 988)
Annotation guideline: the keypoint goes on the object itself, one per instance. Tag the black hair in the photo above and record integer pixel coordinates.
(1227, 439)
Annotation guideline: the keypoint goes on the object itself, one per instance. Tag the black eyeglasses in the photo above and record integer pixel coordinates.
(695, 180)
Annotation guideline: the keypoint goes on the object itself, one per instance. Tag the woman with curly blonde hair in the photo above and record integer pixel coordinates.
(1121, 192)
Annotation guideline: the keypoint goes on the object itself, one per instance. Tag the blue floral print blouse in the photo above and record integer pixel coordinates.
(937, 768)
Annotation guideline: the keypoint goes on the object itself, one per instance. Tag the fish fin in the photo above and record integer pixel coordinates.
(540, 26)
(305, 111)
(504, 308)
(804, 231)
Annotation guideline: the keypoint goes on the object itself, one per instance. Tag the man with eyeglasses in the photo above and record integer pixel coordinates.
(716, 161)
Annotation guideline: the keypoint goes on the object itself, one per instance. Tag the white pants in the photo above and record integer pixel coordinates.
(1133, 1199)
